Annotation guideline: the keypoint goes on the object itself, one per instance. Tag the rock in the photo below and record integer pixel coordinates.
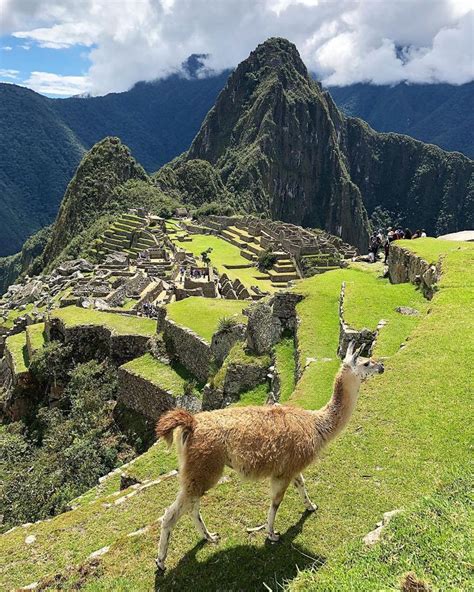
(99, 552)
(127, 481)
(374, 536)
(70, 267)
(263, 328)
(30, 539)
(407, 310)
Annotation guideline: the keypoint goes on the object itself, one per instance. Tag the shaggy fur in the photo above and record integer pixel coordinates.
(276, 442)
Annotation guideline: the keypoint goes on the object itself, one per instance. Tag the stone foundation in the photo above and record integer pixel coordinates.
(405, 266)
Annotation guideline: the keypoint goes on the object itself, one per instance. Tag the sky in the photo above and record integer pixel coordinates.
(69, 47)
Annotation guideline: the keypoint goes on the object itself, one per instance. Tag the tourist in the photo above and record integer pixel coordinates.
(423, 234)
(408, 233)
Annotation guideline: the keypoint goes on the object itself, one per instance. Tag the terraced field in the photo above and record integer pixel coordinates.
(409, 438)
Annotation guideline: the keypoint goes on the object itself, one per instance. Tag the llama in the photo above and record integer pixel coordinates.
(276, 442)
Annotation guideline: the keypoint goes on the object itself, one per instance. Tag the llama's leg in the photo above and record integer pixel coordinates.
(212, 537)
(298, 482)
(278, 488)
(170, 518)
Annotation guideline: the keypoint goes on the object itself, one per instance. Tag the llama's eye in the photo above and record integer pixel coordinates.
(366, 364)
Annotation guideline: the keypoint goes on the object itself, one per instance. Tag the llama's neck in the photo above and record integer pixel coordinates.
(335, 415)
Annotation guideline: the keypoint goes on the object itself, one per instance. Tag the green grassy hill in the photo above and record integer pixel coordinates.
(407, 447)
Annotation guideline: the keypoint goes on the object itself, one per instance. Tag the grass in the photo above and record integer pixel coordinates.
(36, 336)
(431, 249)
(238, 355)
(158, 373)
(255, 396)
(432, 540)
(224, 253)
(368, 299)
(286, 366)
(202, 315)
(16, 345)
(119, 324)
(8, 321)
(409, 435)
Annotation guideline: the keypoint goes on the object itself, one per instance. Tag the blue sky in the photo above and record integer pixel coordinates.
(101, 46)
(20, 57)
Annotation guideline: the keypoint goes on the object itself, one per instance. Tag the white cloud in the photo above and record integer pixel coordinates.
(7, 48)
(48, 83)
(343, 41)
(7, 73)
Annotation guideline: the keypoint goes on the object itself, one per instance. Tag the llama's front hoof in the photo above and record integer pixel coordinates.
(273, 537)
(311, 507)
(160, 566)
(213, 537)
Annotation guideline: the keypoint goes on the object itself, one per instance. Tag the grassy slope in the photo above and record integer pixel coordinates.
(286, 366)
(202, 315)
(16, 345)
(224, 253)
(36, 335)
(157, 372)
(385, 460)
(120, 324)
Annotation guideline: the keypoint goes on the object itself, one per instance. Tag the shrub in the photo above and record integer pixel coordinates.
(226, 324)
(266, 260)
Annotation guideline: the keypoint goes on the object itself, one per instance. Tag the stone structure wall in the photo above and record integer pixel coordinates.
(406, 266)
(97, 342)
(223, 341)
(365, 338)
(190, 349)
(263, 328)
(143, 396)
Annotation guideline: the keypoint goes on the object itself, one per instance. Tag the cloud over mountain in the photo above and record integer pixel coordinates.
(343, 41)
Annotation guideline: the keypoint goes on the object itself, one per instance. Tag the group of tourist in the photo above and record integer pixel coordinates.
(380, 239)
(149, 310)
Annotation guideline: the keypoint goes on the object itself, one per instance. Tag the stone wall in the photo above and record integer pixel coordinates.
(223, 341)
(405, 266)
(97, 342)
(148, 399)
(190, 349)
(365, 338)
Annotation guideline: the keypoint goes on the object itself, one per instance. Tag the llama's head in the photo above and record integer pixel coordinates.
(361, 367)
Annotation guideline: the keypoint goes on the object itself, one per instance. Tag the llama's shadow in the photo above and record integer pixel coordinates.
(241, 568)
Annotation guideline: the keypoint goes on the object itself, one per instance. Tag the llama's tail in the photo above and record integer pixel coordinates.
(176, 418)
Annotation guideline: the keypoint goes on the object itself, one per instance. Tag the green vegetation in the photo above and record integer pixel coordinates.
(432, 541)
(408, 436)
(285, 364)
(64, 452)
(158, 373)
(16, 345)
(369, 299)
(36, 336)
(431, 249)
(202, 315)
(120, 324)
(255, 396)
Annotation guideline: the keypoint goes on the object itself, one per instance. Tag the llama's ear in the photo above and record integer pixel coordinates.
(357, 354)
(349, 351)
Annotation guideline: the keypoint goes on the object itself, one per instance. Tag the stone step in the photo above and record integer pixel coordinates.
(282, 277)
(248, 255)
(241, 234)
(255, 248)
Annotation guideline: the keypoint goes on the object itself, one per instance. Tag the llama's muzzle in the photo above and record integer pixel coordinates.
(381, 368)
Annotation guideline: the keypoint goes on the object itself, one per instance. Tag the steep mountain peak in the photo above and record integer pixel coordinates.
(274, 136)
(106, 166)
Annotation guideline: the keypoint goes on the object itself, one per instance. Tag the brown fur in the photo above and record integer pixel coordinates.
(173, 419)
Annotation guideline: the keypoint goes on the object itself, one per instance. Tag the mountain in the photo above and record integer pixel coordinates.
(283, 148)
(42, 140)
(38, 155)
(441, 114)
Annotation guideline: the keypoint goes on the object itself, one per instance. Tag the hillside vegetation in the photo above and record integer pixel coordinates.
(408, 439)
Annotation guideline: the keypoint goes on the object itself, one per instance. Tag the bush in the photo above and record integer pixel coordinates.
(45, 465)
(266, 260)
(226, 324)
